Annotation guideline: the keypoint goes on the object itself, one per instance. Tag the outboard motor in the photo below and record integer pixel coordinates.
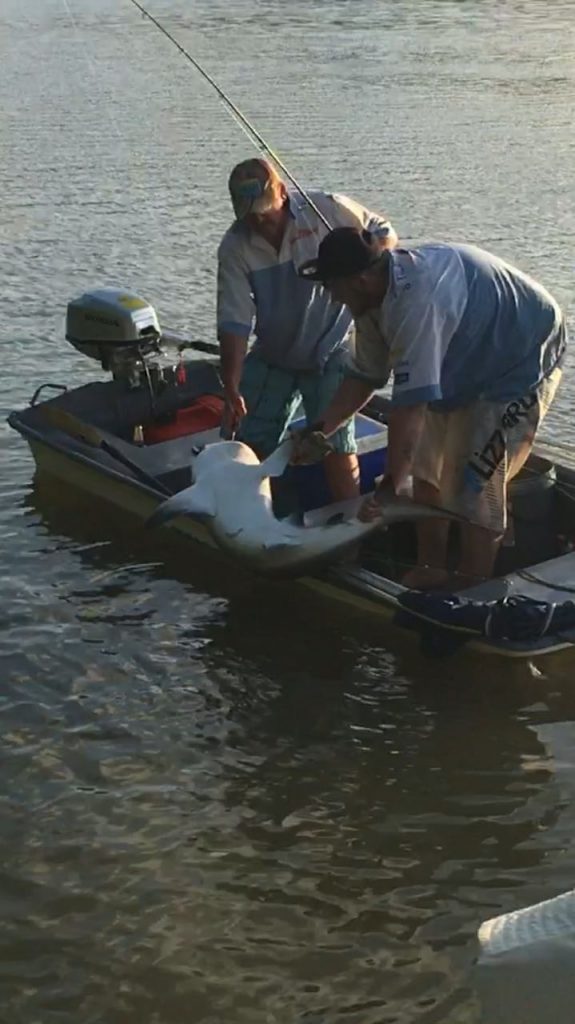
(121, 331)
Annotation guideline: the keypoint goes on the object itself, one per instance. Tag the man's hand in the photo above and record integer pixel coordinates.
(234, 412)
(310, 445)
(372, 506)
(370, 510)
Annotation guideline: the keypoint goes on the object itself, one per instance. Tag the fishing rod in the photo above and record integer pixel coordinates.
(252, 133)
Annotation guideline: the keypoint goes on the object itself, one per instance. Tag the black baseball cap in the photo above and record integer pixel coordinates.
(342, 253)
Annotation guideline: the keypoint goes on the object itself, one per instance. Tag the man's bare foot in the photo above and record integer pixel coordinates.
(426, 577)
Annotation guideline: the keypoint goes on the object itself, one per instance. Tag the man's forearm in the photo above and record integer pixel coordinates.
(352, 395)
(233, 348)
(405, 430)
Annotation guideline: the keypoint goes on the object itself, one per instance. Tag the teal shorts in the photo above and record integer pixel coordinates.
(272, 396)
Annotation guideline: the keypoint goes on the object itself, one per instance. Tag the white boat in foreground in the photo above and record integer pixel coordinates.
(526, 967)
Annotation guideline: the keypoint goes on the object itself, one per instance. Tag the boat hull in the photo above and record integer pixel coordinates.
(351, 589)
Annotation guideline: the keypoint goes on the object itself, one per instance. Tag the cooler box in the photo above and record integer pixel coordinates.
(310, 482)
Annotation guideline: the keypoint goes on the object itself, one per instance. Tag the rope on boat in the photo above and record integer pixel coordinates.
(525, 574)
(93, 68)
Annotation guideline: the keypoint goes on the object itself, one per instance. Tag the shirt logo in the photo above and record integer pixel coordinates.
(302, 233)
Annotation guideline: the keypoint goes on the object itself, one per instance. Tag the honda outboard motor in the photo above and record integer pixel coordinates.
(118, 329)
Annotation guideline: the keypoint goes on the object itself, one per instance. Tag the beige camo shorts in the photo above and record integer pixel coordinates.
(471, 453)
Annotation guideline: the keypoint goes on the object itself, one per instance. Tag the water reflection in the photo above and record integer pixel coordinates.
(241, 798)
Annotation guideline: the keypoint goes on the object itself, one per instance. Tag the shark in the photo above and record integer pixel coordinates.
(232, 495)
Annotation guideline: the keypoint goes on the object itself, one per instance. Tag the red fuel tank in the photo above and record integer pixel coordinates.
(203, 414)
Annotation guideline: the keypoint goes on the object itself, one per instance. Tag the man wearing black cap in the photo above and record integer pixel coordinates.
(476, 349)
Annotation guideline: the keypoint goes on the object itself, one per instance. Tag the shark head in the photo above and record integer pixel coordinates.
(228, 469)
(222, 453)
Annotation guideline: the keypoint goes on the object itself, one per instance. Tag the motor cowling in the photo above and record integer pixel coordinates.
(117, 328)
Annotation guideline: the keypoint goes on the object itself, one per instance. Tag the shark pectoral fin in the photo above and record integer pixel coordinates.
(335, 512)
(194, 502)
(276, 463)
(201, 505)
(277, 545)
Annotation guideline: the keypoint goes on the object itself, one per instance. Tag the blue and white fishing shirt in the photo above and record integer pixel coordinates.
(456, 325)
(296, 325)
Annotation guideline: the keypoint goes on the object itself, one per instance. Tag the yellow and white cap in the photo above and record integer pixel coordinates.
(252, 184)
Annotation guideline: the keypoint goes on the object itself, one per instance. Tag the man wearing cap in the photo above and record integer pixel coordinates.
(476, 349)
(300, 333)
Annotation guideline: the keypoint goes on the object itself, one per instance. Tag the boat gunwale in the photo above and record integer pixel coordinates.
(25, 430)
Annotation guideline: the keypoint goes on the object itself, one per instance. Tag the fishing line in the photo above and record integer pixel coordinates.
(246, 125)
(108, 97)
(92, 66)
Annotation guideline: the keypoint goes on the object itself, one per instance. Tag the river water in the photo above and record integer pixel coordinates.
(220, 804)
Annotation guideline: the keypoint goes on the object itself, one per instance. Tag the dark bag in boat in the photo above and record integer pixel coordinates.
(446, 621)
